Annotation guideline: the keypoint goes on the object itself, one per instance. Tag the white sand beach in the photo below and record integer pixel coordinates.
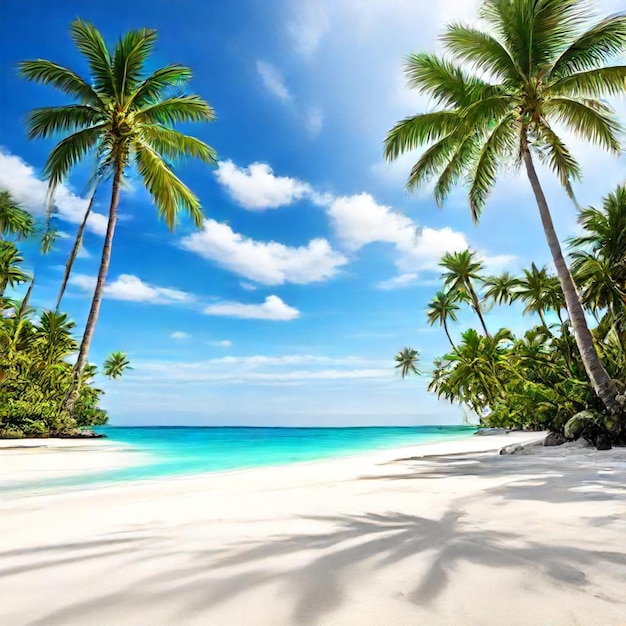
(461, 536)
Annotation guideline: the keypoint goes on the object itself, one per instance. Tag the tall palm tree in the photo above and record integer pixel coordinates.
(407, 360)
(462, 270)
(78, 241)
(500, 289)
(442, 308)
(501, 93)
(533, 289)
(121, 116)
(14, 221)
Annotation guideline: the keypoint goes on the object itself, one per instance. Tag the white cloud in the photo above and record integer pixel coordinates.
(248, 286)
(83, 253)
(257, 188)
(359, 220)
(20, 179)
(225, 343)
(273, 80)
(272, 309)
(270, 263)
(179, 335)
(398, 282)
(133, 289)
(314, 121)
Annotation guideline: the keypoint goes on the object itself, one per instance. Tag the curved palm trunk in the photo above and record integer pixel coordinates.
(90, 326)
(474, 298)
(74, 253)
(445, 328)
(599, 377)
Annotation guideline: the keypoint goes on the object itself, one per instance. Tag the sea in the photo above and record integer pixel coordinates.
(176, 451)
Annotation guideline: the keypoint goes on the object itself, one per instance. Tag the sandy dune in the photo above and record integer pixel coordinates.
(460, 539)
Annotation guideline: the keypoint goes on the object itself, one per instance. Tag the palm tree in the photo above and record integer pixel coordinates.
(534, 290)
(11, 274)
(122, 117)
(500, 289)
(78, 240)
(407, 360)
(14, 221)
(441, 308)
(501, 92)
(115, 365)
(462, 270)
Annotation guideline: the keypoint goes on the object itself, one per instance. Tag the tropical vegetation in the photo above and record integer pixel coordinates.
(121, 117)
(504, 95)
(36, 348)
(537, 380)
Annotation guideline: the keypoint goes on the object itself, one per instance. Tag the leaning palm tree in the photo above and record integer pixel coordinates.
(442, 308)
(121, 116)
(78, 242)
(407, 360)
(14, 221)
(462, 271)
(502, 92)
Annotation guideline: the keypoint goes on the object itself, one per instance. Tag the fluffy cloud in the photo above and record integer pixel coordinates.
(256, 188)
(359, 220)
(273, 80)
(20, 179)
(307, 26)
(270, 263)
(272, 309)
(133, 289)
(179, 335)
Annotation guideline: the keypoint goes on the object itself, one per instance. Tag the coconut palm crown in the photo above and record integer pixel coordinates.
(501, 93)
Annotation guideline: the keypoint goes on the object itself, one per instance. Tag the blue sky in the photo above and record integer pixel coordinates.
(288, 307)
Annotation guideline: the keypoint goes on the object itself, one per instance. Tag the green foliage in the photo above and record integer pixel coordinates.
(538, 381)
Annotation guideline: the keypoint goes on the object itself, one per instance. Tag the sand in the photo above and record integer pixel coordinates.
(464, 537)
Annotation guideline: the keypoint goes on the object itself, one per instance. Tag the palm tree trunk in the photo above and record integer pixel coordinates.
(474, 298)
(74, 253)
(92, 318)
(599, 377)
(445, 328)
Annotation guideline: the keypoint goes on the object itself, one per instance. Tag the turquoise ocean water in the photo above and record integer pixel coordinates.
(174, 451)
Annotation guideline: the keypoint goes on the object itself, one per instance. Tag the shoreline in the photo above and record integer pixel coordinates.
(50, 459)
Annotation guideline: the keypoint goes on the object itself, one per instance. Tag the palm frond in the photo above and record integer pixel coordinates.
(596, 83)
(190, 108)
(497, 150)
(445, 82)
(129, 58)
(482, 51)
(89, 42)
(414, 132)
(458, 164)
(559, 159)
(158, 82)
(169, 193)
(592, 49)
(61, 78)
(587, 119)
(68, 152)
(47, 121)
(173, 145)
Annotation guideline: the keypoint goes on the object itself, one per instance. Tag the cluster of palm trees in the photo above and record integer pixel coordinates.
(502, 92)
(35, 347)
(120, 117)
(538, 380)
